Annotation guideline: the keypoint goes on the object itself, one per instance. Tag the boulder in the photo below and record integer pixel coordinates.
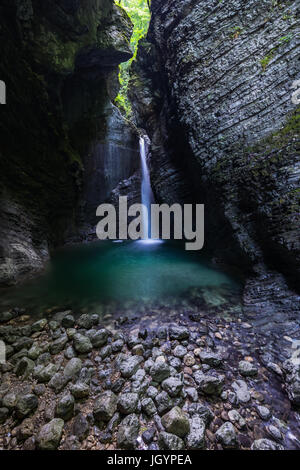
(58, 345)
(196, 437)
(226, 436)
(73, 368)
(65, 407)
(130, 366)
(172, 386)
(82, 344)
(26, 405)
(266, 444)
(128, 432)
(50, 435)
(210, 358)
(148, 406)
(128, 403)
(24, 367)
(164, 402)
(208, 383)
(176, 422)
(80, 390)
(98, 337)
(160, 371)
(247, 369)
(167, 441)
(105, 406)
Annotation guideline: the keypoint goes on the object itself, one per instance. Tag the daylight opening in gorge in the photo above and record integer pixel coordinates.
(149, 227)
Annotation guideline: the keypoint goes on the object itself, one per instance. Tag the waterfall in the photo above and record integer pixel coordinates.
(147, 194)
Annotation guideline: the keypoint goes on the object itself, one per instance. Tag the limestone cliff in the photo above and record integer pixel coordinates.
(212, 86)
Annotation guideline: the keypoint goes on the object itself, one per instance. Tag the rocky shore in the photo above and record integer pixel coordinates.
(200, 382)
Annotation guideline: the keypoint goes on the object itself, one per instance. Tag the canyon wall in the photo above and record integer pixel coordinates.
(213, 87)
(59, 132)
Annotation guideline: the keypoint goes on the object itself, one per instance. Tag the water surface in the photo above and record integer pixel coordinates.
(101, 272)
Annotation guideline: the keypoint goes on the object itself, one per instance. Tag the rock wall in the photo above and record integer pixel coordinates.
(59, 60)
(212, 86)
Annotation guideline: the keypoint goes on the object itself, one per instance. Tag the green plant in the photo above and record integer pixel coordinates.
(236, 31)
(285, 39)
(139, 13)
(266, 60)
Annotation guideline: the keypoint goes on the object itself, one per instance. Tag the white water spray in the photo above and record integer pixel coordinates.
(147, 194)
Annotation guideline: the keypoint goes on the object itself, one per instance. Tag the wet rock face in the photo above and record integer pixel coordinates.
(63, 124)
(219, 66)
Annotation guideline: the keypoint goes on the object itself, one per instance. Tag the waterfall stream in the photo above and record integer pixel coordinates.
(147, 194)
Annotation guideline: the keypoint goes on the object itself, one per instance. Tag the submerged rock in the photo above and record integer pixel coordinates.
(58, 382)
(263, 412)
(292, 381)
(98, 337)
(58, 345)
(4, 413)
(241, 389)
(247, 369)
(85, 321)
(44, 374)
(210, 358)
(178, 332)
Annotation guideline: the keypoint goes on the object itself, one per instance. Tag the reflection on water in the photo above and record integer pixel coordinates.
(131, 271)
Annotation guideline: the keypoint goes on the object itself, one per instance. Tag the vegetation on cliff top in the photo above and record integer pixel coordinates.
(139, 13)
